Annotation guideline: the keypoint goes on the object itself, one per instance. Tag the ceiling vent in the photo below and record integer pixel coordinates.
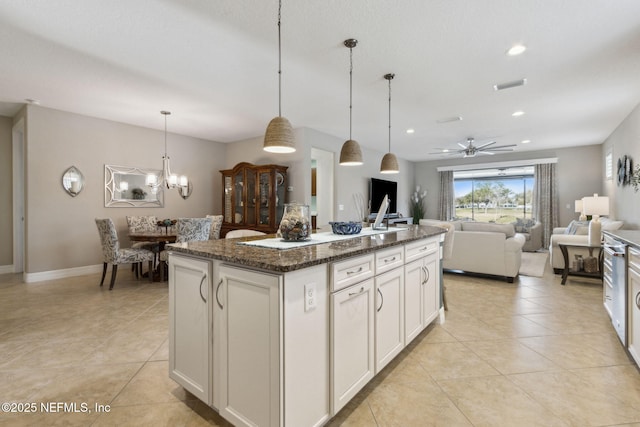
(449, 119)
(509, 85)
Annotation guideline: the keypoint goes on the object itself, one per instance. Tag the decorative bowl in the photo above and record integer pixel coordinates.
(348, 227)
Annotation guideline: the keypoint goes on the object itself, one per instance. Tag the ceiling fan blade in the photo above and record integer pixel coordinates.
(501, 146)
(485, 153)
(462, 145)
(486, 144)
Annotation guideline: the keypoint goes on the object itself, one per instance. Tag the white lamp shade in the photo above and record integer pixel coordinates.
(595, 205)
(578, 206)
(184, 181)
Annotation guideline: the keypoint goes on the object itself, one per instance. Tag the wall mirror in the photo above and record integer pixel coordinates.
(73, 181)
(126, 187)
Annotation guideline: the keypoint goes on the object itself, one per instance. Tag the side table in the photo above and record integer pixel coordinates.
(564, 248)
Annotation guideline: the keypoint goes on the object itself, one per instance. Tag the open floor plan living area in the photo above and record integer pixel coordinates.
(279, 213)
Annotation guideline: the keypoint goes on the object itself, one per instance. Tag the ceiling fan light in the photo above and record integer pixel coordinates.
(389, 164)
(279, 136)
(351, 154)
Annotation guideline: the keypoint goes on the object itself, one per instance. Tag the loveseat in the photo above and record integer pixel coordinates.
(485, 248)
(577, 232)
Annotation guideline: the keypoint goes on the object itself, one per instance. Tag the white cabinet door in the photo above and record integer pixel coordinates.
(431, 288)
(190, 325)
(413, 288)
(633, 328)
(389, 316)
(352, 341)
(250, 360)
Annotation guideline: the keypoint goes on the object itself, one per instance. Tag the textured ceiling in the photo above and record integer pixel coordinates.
(214, 65)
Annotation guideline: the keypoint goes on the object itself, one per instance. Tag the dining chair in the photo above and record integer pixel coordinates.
(113, 254)
(216, 225)
(243, 233)
(187, 230)
(139, 224)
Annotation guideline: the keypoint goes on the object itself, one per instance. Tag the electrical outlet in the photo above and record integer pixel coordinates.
(340, 207)
(310, 301)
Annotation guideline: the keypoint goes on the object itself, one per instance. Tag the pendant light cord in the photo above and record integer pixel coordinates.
(279, 62)
(389, 115)
(350, 88)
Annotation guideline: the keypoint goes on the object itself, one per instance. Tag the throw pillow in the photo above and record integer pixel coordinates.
(507, 229)
(610, 225)
(577, 227)
(523, 226)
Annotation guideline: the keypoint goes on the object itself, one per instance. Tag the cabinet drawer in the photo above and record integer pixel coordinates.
(389, 259)
(350, 271)
(421, 248)
(634, 259)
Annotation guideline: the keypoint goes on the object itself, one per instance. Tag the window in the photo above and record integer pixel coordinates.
(494, 195)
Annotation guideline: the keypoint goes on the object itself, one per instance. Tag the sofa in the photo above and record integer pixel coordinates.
(577, 232)
(484, 248)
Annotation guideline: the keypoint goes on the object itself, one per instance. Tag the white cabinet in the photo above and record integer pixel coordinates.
(248, 306)
(633, 301)
(389, 316)
(352, 341)
(190, 325)
(422, 286)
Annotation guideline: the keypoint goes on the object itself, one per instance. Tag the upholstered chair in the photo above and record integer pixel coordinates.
(141, 224)
(216, 225)
(242, 233)
(187, 230)
(114, 255)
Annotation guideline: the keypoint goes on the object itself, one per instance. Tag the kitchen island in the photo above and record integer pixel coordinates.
(275, 334)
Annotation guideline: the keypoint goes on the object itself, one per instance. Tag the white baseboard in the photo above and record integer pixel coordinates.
(6, 269)
(61, 274)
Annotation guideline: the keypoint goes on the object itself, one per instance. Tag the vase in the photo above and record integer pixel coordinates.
(295, 225)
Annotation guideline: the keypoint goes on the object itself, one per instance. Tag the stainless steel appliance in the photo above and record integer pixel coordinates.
(614, 286)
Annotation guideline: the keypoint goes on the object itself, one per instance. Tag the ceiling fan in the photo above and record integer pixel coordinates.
(470, 150)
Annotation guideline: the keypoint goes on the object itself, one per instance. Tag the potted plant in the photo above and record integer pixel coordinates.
(416, 205)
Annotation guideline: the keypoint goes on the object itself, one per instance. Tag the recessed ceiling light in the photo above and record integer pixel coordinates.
(526, 141)
(410, 130)
(516, 50)
(446, 150)
(509, 85)
(518, 114)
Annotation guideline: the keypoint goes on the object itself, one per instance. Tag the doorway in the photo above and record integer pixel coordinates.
(18, 196)
(322, 187)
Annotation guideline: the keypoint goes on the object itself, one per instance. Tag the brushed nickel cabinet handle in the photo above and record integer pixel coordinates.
(201, 282)
(357, 293)
(381, 300)
(638, 300)
(217, 291)
(354, 271)
(389, 260)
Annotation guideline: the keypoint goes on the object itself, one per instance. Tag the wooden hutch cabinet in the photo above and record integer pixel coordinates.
(253, 197)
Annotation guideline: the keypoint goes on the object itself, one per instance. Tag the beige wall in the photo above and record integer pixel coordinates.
(625, 140)
(61, 232)
(579, 170)
(347, 181)
(6, 194)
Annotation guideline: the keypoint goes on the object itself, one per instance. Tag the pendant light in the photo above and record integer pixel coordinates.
(350, 154)
(389, 161)
(279, 135)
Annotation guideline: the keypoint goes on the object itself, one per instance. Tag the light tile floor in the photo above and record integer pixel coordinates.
(531, 353)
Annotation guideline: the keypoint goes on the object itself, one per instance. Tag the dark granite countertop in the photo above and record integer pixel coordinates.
(283, 260)
(630, 237)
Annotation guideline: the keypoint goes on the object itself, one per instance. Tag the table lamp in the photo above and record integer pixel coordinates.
(595, 206)
(579, 209)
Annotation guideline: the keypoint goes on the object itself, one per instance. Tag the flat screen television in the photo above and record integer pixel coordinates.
(379, 188)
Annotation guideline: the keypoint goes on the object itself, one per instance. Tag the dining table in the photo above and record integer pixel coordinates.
(162, 236)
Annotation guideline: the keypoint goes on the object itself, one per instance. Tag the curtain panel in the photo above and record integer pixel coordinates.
(545, 199)
(447, 196)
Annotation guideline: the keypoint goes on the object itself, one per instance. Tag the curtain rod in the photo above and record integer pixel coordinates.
(512, 163)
